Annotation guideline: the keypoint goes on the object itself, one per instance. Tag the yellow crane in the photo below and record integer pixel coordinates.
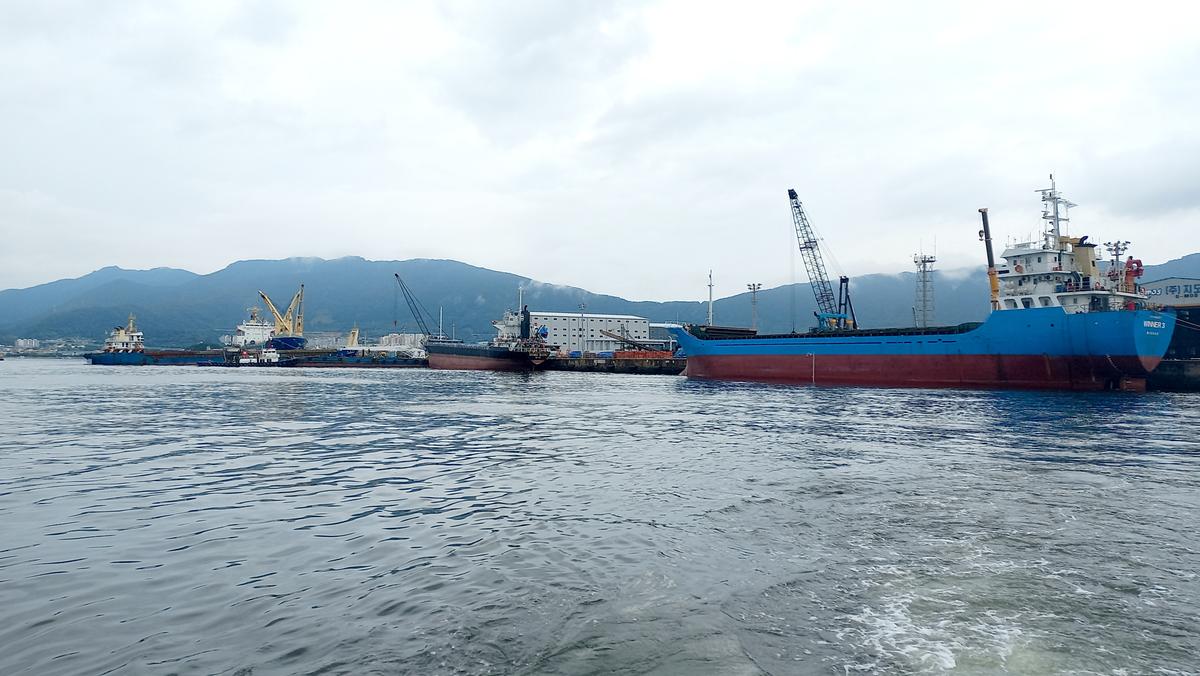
(290, 323)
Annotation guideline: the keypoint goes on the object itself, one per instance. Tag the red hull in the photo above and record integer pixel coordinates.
(971, 371)
(353, 365)
(460, 362)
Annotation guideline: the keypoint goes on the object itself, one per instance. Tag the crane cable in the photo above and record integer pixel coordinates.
(1187, 324)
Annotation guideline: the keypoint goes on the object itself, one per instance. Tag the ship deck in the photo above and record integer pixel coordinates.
(744, 334)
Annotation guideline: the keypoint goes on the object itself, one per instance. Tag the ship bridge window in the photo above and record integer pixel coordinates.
(1010, 304)
(1045, 301)
(1026, 303)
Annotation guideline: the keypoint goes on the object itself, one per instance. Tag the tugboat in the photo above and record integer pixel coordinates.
(1057, 322)
(236, 357)
(125, 346)
(516, 347)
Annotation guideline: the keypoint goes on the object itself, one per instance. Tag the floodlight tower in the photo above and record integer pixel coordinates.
(923, 310)
(1116, 271)
(754, 289)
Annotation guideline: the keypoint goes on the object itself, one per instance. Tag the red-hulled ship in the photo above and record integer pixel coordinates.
(515, 348)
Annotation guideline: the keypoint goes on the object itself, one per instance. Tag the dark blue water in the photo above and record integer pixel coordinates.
(221, 521)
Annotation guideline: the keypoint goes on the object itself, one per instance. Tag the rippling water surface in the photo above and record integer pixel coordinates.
(262, 521)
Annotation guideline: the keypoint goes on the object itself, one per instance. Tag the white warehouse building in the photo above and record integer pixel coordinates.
(581, 331)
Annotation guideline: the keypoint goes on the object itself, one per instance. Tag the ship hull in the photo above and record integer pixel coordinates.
(344, 361)
(154, 358)
(1041, 348)
(282, 343)
(462, 357)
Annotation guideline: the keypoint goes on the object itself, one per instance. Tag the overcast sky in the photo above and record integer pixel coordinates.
(622, 147)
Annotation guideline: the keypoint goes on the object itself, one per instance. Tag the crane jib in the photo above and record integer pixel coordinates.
(415, 306)
(833, 310)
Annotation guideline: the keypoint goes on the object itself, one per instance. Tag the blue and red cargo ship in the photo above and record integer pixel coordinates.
(1057, 322)
(125, 347)
(1036, 348)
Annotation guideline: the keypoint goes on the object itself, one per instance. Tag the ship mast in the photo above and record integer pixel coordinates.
(1055, 212)
(710, 299)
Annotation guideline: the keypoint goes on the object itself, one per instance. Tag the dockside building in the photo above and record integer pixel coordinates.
(582, 331)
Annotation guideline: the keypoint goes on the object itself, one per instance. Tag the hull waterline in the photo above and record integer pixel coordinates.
(458, 356)
(1025, 349)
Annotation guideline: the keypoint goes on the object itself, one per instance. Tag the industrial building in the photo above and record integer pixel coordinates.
(412, 340)
(581, 331)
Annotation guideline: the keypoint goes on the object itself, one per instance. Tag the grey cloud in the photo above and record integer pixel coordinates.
(545, 137)
(1148, 181)
(262, 21)
(533, 67)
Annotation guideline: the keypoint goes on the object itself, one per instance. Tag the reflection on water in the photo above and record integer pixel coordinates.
(183, 520)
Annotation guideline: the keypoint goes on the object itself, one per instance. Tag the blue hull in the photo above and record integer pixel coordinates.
(1030, 348)
(286, 343)
(153, 358)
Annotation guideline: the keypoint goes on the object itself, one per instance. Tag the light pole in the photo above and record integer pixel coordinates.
(582, 344)
(754, 304)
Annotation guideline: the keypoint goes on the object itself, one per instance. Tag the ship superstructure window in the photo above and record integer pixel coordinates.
(1045, 301)
(1010, 303)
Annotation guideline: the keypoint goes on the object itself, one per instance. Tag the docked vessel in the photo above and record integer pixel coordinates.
(353, 355)
(266, 357)
(289, 325)
(515, 348)
(1057, 322)
(125, 346)
(255, 332)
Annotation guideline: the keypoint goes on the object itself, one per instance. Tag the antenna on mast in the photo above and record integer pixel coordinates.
(710, 299)
(1055, 212)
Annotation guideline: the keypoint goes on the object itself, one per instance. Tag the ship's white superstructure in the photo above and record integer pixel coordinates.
(267, 356)
(124, 339)
(1061, 271)
(253, 332)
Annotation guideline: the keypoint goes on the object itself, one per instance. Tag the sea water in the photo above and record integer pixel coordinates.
(182, 520)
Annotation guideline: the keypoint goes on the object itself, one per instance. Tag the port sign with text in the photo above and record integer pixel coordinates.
(1174, 291)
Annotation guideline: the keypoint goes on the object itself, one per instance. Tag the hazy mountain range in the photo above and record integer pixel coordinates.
(178, 307)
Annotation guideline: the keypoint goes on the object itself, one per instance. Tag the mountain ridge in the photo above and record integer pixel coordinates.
(177, 307)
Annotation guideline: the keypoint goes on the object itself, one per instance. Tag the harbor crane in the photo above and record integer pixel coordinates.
(833, 312)
(418, 311)
(290, 323)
